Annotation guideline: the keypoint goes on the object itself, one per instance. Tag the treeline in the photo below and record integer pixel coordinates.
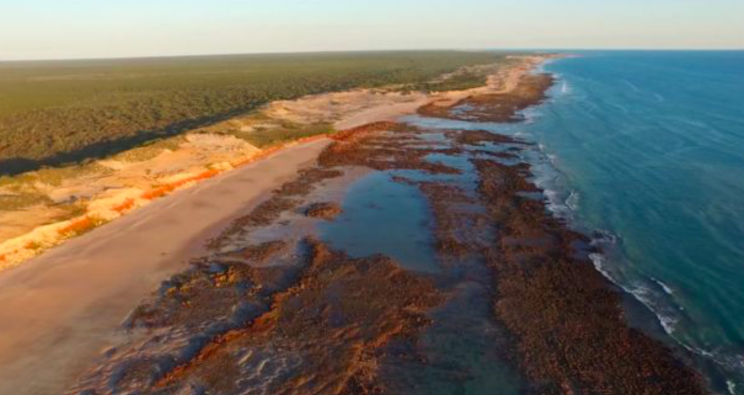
(60, 112)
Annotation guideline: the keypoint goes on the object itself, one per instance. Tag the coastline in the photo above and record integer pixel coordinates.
(656, 273)
(109, 189)
(540, 274)
(523, 292)
(70, 325)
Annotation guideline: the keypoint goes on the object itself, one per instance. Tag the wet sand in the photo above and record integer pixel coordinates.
(61, 310)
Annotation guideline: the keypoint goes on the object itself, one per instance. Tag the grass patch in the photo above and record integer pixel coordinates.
(466, 79)
(22, 191)
(12, 202)
(53, 176)
(150, 150)
(57, 176)
(262, 138)
(459, 82)
(71, 210)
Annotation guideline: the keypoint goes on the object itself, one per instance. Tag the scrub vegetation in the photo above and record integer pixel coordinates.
(60, 112)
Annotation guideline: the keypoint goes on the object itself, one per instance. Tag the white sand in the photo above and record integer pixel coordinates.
(59, 311)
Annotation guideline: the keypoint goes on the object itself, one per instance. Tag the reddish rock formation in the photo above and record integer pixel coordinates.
(499, 107)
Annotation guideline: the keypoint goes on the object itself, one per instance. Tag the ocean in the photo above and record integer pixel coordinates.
(645, 151)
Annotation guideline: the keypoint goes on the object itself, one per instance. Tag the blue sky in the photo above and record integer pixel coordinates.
(43, 29)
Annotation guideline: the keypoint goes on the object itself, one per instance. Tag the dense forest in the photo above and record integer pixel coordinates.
(59, 112)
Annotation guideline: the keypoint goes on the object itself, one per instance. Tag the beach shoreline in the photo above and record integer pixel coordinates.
(257, 301)
(275, 285)
(62, 325)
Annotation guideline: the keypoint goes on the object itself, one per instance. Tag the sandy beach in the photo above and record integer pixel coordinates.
(61, 310)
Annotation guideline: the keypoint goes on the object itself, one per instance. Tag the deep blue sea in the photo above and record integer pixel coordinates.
(646, 150)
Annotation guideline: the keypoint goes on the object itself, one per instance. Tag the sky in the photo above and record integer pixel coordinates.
(60, 29)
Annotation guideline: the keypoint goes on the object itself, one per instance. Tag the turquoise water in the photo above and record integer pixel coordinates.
(650, 150)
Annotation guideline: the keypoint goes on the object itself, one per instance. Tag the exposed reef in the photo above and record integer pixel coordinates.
(498, 107)
(325, 210)
(296, 317)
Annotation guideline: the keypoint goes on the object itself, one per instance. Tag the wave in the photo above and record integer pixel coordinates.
(572, 201)
(663, 286)
(530, 115)
(563, 202)
(559, 200)
(659, 296)
(654, 294)
(565, 88)
(631, 85)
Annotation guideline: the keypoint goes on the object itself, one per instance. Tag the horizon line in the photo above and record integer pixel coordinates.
(342, 51)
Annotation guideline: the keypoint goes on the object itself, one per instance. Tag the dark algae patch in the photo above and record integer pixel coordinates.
(325, 333)
(322, 289)
(330, 329)
(324, 210)
(498, 107)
